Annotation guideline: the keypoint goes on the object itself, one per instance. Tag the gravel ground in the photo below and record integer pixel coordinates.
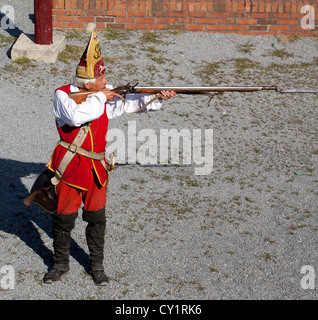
(243, 231)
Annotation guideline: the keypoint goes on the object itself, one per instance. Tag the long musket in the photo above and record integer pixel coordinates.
(79, 97)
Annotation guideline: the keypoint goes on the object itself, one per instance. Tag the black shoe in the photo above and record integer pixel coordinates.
(99, 277)
(53, 276)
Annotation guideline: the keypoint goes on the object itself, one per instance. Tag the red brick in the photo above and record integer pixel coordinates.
(238, 15)
(279, 15)
(268, 7)
(186, 20)
(54, 4)
(155, 26)
(218, 14)
(297, 15)
(98, 4)
(237, 28)
(206, 20)
(161, 14)
(58, 25)
(86, 4)
(192, 27)
(58, 12)
(288, 21)
(227, 21)
(124, 20)
(75, 12)
(259, 15)
(136, 14)
(267, 21)
(145, 20)
(296, 28)
(254, 7)
(84, 19)
(105, 19)
(177, 14)
(175, 26)
(198, 14)
(261, 6)
(115, 25)
(278, 28)
(135, 26)
(166, 20)
(217, 27)
(61, 4)
(74, 25)
(293, 8)
(281, 7)
(67, 4)
(247, 21)
(257, 28)
(64, 18)
(248, 7)
(100, 26)
(95, 13)
(116, 13)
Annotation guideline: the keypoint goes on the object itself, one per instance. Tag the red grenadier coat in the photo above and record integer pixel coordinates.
(95, 141)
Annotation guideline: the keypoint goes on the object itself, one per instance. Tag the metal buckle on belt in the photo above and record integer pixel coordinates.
(72, 147)
(58, 174)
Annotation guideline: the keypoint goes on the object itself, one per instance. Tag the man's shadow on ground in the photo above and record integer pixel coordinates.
(20, 220)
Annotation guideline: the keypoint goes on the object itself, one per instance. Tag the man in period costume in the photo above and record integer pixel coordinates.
(78, 161)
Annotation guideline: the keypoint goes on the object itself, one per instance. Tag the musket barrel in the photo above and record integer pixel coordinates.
(203, 89)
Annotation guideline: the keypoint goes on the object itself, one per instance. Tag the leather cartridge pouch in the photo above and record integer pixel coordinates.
(43, 193)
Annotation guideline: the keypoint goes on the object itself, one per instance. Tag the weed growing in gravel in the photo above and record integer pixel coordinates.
(20, 64)
(246, 47)
(151, 37)
(76, 34)
(282, 53)
(266, 256)
(5, 40)
(241, 64)
(207, 70)
(71, 53)
(114, 34)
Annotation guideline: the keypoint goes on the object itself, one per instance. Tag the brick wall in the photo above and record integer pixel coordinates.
(237, 16)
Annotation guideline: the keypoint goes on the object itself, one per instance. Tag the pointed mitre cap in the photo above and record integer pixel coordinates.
(92, 63)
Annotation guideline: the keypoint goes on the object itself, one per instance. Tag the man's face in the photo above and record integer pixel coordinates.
(99, 84)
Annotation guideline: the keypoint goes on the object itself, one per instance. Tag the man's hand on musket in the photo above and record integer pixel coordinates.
(166, 95)
(110, 95)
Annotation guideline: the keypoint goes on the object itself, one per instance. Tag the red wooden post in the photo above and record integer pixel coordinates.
(43, 22)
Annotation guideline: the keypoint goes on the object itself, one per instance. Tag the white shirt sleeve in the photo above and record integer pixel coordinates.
(66, 110)
(117, 107)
